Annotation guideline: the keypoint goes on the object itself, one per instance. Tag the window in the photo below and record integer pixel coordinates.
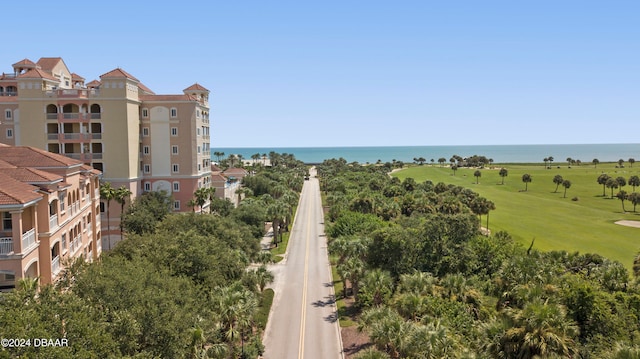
(198, 149)
(176, 186)
(176, 205)
(198, 131)
(147, 186)
(174, 112)
(7, 114)
(174, 131)
(199, 167)
(7, 224)
(145, 131)
(147, 168)
(145, 112)
(197, 113)
(175, 168)
(61, 199)
(174, 150)
(9, 133)
(145, 150)
(64, 241)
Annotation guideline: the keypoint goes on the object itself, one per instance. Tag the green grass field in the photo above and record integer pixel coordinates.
(556, 223)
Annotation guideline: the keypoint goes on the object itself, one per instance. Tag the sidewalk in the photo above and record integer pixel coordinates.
(265, 243)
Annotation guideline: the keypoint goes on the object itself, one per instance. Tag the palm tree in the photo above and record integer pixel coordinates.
(566, 184)
(107, 193)
(631, 161)
(192, 204)
(612, 184)
(636, 266)
(526, 178)
(595, 162)
(569, 161)
(121, 195)
(503, 173)
(635, 199)
(620, 162)
(622, 196)
(480, 206)
(218, 155)
(201, 197)
(634, 181)
(550, 159)
(557, 179)
(477, 175)
(277, 212)
(540, 330)
(264, 277)
(621, 181)
(602, 179)
(377, 287)
(441, 161)
(454, 168)
(545, 160)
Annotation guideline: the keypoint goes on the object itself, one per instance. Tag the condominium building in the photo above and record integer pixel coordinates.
(138, 139)
(50, 209)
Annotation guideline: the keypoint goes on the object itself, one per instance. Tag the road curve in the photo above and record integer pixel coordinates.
(303, 318)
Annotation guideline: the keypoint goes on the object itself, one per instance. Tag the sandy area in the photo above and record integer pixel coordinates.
(629, 223)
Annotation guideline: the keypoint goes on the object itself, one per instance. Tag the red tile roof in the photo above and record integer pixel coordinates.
(35, 157)
(13, 191)
(75, 76)
(24, 62)
(48, 63)
(146, 89)
(197, 87)
(37, 74)
(31, 175)
(236, 170)
(118, 73)
(94, 83)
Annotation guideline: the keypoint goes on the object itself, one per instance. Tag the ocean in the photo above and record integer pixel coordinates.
(499, 153)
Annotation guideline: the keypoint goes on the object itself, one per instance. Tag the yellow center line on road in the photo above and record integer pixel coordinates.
(303, 314)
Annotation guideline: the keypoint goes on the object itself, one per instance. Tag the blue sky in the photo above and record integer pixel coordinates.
(356, 73)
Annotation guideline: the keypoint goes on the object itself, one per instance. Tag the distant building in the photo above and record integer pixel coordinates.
(50, 206)
(138, 139)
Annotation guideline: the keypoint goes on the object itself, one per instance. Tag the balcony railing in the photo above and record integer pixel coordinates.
(52, 116)
(28, 239)
(53, 222)
(76, 244)
(6, 245)
(55, 265)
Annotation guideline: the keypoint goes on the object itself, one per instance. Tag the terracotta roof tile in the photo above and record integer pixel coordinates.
(117, 73)
(146, 89)
(94, 83)
(34, 157)
(236, 170)
(24, 62)
(5, 164)
(31, 175)
(218, 178)
(48, 63)
(197, 87)
(215, 168)
(13, 191)
(75, 76)
(37, 74)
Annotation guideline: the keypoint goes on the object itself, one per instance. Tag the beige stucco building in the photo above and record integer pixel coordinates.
(50, 209)
(138, 139)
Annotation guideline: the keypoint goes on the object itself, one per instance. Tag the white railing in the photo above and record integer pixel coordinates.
(28, 239)
(6, 245)
(53, 222)
(76, 244)
(55, 265)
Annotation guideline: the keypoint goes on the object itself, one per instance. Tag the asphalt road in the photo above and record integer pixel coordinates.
(303, 319)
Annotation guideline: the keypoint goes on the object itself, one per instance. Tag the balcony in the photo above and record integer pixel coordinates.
(28, 239)
(76, 244)
(6, 245)
(55, 265)
(53, 222)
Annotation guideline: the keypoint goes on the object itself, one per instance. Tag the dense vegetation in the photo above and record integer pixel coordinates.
(427, 283)
(178, 286)
(583, 220)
